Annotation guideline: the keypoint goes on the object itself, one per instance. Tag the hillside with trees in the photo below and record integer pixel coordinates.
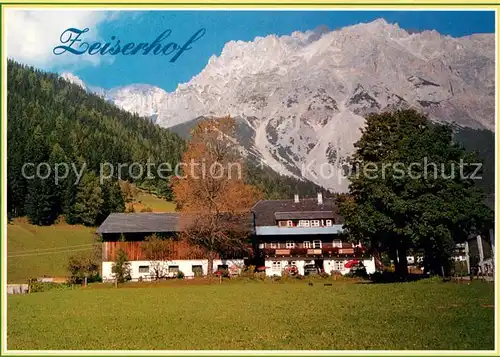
(53, 121)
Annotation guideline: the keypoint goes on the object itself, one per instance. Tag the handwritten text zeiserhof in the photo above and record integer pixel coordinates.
(72, 42)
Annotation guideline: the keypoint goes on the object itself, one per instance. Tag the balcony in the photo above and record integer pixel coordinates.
(325, 251)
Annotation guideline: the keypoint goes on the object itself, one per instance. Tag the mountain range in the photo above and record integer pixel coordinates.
(301, 99)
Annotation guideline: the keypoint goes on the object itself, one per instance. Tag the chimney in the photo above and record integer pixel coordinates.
(296, 198)
(320, 198)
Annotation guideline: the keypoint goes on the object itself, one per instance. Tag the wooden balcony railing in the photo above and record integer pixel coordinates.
(283, 245)
(324, 251)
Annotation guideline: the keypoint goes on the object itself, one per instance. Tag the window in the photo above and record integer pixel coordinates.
(288, 223)
(143, 268)
(276, 266)
(197, 270)
(337, 243)
(222, 267)
(338, 265)
(316, 244)
(328, 223)
(315, 223)
(261, 245)
(303, 223)
(274, 245)
(307, 244)
(290, 244)
(173, 269)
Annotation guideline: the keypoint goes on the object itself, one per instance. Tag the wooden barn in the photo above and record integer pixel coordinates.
(128, 231)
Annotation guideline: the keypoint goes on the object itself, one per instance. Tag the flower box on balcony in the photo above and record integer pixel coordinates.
(330, 251)
(268, 251)
(298, 251)
(282, 252)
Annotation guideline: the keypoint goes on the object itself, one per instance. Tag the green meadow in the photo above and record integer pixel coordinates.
(256, 315)
(36, 251)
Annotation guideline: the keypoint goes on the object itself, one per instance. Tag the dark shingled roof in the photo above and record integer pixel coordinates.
(265, 210)
(304, 215)
(146, 222)
(140, 223)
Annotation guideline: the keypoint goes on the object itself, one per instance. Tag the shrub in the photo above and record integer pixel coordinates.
(147, 209)
(84, 265)
(121, 267)
(358, 271)
(180, 275)
(38, 286)
(261, 275)
(248, 272)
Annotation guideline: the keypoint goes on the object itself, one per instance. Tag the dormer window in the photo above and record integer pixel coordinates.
(315, 223)
(328, 223)
(288, 223)
(304, 223)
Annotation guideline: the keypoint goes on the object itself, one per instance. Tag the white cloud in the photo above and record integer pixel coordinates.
(32, 35)
(72, 78)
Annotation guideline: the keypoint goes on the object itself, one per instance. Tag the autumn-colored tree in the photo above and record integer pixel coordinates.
(211, 193)
(130, 193)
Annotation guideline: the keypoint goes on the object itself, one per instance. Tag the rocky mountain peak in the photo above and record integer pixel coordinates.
(301, 99)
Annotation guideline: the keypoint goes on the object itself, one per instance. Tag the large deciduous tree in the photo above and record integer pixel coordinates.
(412, 187)
(211, 193)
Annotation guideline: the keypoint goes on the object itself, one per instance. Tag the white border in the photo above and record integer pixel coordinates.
(327, 7)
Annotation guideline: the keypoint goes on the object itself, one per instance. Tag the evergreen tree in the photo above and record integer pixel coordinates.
(88, 201)
(121, 268)
(113, 200)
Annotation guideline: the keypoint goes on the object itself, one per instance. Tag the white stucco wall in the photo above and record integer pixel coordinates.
(328, 265)
(184, 265)
(369, 264)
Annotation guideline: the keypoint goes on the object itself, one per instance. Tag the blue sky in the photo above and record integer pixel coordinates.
(221, 27)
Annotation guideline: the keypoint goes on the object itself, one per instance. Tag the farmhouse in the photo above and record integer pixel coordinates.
(303, 235)
(128, 231)
(299, 236)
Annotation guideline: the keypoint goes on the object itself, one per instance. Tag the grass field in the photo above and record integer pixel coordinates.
(257, 315)
(146, 200)
(35, 251)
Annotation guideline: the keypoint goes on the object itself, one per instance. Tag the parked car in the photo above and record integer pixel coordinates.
(310, 269)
